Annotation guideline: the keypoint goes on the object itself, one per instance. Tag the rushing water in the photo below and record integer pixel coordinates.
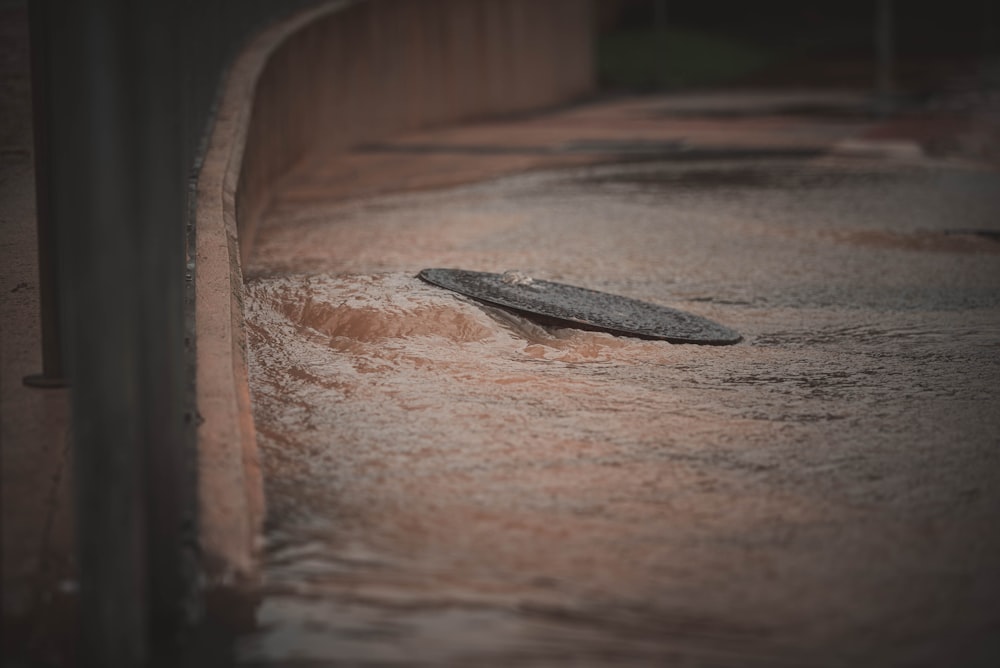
(451, 483)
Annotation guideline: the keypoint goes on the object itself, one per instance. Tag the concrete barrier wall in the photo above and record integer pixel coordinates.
(383, 66)
(334, 76)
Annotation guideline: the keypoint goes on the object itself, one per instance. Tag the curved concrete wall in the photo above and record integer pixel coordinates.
(335, 76)
(383, 66)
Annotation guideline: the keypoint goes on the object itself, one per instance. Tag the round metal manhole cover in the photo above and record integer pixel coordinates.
(581, 307)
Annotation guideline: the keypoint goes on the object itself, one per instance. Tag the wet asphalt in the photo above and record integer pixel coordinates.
(451, 483)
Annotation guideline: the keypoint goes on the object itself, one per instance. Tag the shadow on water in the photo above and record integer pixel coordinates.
(812, 110)
(615, 150)
(725, 177)
(763, 174)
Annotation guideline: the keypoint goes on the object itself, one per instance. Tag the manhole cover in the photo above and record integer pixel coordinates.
(587, 309)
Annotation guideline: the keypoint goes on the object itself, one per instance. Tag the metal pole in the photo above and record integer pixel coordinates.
(884, 58)
(53, 373)
(117, 206)
(163, 184)
(989, 48)
(662, 57)
(96, 228)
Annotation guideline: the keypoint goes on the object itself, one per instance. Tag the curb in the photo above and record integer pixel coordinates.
(230, 485)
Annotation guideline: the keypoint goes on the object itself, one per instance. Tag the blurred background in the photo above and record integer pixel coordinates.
(646, 45)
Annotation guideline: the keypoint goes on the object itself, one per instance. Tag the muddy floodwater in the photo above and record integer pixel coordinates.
(450, 483)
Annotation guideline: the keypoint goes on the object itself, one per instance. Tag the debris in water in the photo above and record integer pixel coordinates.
(516, 278)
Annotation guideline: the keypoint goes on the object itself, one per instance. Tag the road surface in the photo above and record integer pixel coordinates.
(454, 484)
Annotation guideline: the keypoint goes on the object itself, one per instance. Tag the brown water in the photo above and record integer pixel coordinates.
(450, 483)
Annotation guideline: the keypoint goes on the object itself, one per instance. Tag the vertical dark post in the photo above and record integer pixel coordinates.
(93, 211)
(989, 47)
(53, 373)
(117, 207)
(660, 25)
(884, 58)
(162, 181)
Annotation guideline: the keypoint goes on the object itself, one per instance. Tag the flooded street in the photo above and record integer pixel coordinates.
(451, 483)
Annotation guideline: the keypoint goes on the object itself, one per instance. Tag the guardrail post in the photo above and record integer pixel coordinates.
(662, 42)
(884, 56)
(116, 195)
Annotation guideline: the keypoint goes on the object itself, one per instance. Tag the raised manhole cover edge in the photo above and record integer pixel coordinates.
(533, 297)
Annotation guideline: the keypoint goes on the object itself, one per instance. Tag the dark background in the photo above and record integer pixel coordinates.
(783, 42)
